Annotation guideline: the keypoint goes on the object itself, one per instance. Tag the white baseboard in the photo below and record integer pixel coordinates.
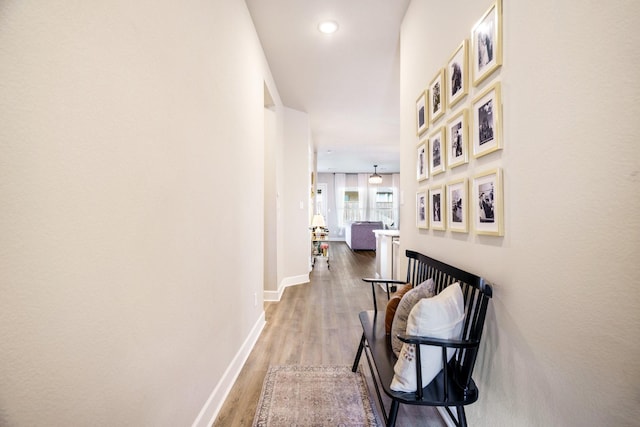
(286, 282)
(273, 295)
(214, 403)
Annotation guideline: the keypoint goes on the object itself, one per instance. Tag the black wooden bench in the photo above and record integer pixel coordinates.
(453, 386)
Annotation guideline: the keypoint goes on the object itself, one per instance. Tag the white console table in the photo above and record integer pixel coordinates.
(385, 249)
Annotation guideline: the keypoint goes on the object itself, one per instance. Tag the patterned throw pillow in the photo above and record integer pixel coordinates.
(439, 317)
(392, 306)
(399, 325)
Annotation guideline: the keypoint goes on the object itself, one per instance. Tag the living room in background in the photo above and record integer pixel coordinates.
(344, 201)
(360, 201)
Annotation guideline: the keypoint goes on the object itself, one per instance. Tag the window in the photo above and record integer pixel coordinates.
(382, 210)
(351, 206)
(356, 200)
(384, 197)
(380, 206)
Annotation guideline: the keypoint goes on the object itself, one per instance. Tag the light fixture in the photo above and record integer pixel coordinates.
(328, 27)
(318, 223)
(375, 178)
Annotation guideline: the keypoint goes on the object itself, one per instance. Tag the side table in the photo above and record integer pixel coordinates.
(320, 247)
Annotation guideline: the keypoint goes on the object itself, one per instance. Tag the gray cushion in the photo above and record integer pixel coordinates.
(411, 298)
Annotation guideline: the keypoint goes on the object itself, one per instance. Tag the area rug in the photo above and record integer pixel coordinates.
(315, 396)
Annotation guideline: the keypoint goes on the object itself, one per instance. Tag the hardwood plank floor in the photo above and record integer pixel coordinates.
(314, 324)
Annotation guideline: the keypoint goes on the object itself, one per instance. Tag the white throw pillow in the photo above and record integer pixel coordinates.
(411, 298)
(440, 316)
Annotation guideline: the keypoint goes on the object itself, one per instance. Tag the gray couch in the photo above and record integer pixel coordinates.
(359, 235)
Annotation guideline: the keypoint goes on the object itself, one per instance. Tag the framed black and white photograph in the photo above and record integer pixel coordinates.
(422, 170)
(437, 208)
(486, 43)
(487, 202)
(487, 121)
(458, 140)
(457, 196)
(437, 96)
(421, 209)
(437, 152)
(458, 74)
(422, 111)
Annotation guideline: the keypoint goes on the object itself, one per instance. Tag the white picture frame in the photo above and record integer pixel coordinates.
(422, 167)
(437, 97)
(457, 139)
(437, 152)
(486, 43)
(458, 206)
(422, 113)
(437, 208)
(486, 136)
(488, 204)
(458, 74)
(422, 221)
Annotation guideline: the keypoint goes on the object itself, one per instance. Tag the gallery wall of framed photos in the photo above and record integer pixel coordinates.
(458, 121)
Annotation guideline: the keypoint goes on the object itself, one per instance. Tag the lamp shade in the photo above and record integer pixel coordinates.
(318, 221)
(375, 178)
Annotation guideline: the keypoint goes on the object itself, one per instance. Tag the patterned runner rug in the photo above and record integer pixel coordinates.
(315, 396)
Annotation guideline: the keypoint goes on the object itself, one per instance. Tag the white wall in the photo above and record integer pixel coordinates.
(293, 212)
(271, 138)
(131, 144)
(560, 344)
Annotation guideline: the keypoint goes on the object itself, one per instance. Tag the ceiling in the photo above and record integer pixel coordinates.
(347, 82)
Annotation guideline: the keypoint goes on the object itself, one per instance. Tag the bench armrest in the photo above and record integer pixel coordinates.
(394, 281)
(412, 339)
(439, 342)
(379, 281)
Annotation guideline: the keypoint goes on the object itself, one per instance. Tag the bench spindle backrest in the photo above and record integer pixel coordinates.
(476, 293)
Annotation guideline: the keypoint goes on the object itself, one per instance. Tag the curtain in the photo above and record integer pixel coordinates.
(372, 207)
(367, 209)
(363, 196)
(340, 180)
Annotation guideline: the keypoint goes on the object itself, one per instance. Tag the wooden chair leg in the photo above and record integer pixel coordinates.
(373, 293)
(393, 413)
(462, 418)
(358, 355)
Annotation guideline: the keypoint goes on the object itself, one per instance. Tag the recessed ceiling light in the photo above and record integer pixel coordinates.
(328, 27)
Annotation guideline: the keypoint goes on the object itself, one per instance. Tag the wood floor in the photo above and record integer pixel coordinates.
(314, 324)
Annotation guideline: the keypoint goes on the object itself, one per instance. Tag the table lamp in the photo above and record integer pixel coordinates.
(318, 223)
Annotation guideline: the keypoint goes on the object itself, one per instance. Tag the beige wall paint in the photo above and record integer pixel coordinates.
(560, 343)
(131, 144)
(294, 209)
(270, 201)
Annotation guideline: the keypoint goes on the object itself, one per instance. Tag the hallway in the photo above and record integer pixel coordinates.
(313, 324)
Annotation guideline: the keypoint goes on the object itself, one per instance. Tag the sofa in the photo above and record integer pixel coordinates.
(360, 237)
